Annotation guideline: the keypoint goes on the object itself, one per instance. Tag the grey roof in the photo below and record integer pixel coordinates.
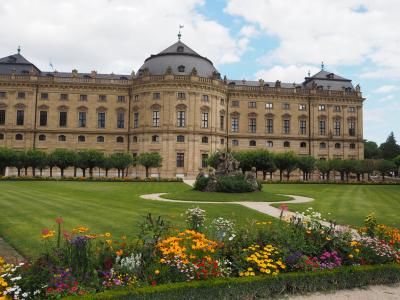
(328, 81)
(177, 55)
(18, 64)
(266, 83)
(86, 75)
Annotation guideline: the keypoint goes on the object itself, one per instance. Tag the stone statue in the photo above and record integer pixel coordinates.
(227, 164)
(194, 72)
(201, 174)
(251, 177)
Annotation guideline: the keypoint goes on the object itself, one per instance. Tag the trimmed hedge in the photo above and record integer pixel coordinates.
(94, 179)
(330, 182)
(261, 286)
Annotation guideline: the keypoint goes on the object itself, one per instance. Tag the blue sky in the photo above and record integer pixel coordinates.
(252, 39)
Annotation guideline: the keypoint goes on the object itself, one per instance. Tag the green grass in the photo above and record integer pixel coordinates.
(348, 204)
(188, 194)
(28, 207)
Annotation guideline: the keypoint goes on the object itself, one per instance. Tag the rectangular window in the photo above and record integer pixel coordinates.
(63, 96)
(181, 122)
(336, 126)
(180, 138)
(3, 95)
(204, 98)
(156, 118)
(204, 120)
(269, 125)
(352, 128)
(180, 160)
(120, 98)
(101, 120)
(44, 96)
(321, 107)
(336, 108)
(252, 104)
(20, 117)
(102, 98)
(302, 107)
(285, 106)
(269, 105)
(235, 124)
(235, 103)
(303, 127)
(286, 126)
(235, 143)
(352, 109)
(82, 97)
(2, 117)
(204, 158)
(136, 98)
(136, 120)
(180, 96)
(222, 101)
(43, 118)
(82, 119)
(322, 127)
(121, 119)
(63, 119)
(252, 125)
(156, 96)
(21, 95)
(221, 122)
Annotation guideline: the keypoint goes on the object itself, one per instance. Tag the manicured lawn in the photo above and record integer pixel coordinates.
(28, 207)
(348, 204)
(191, 195)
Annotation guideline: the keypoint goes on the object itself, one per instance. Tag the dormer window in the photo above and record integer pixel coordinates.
(330, 76)
(181, 69)
(179, 49)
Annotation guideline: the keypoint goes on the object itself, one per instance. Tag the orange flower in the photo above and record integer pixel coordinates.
(119, 252)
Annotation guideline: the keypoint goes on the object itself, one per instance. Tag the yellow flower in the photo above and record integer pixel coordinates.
(162, 260)
(328, 238)
(157, 272)
(107, 234)
(351, 256)
(357, 250)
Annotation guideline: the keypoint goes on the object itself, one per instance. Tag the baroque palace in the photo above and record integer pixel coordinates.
(178, 105)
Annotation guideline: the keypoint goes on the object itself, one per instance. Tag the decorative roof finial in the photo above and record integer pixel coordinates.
(19, 49)
(322, 66)
(179, 32)
(309, 73)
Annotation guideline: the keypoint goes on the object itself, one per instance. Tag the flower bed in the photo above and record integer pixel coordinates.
(289, 255)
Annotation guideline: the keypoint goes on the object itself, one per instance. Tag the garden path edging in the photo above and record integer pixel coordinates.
(9, 253)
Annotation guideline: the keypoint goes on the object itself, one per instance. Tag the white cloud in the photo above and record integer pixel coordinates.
(385, 89)
(337, 32)
(292, 73)
(109, 35)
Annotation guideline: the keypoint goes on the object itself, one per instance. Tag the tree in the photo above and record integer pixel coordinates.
(337, 165)
(357, 167)
(369, 166)
(390, 149)
(396, 161)
(286, 161)
(63, 158)
(371, 150)
(18, 161)
(34, 159)
(5, 158)
(323, 167)
(306, 164)
(150, 160)
(263, 160)
(90, 159)
(384, 167)
(121, 161)
(107, 164)
(51, 163)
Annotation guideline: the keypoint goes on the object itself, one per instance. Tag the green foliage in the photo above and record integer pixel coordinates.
(371, 150)
(261, 286)
(121, 161)
(201, 183)
(18, 160)
(90, 159)
(385, 166)
(233, 184)
(5, 158)
(306, 164)
(212, 160)
(63, 158)
(390, 149)
(286, 162)
(150, 160)
(35, 158)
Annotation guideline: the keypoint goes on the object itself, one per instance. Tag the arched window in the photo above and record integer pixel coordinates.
(303, 145)
(81, 138)
(180, 138)
(62, 138)
(42, 137)
(322, 145)
(100, 139)
(338, 145)
(19, 137)
(352, 146)
(269, 144)
(286, 144)
(155, 138)
(181, 69)
(252, 143)
(120, 139)
(1, 136)
(134, 139)
(204, 139)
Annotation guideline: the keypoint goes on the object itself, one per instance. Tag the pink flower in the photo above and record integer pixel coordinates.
(59, 220)
(45, 231)
(283, 207)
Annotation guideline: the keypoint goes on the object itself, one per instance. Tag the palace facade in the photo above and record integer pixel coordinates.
(178, 105)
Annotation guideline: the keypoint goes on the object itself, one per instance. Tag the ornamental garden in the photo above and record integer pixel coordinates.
(96, 239)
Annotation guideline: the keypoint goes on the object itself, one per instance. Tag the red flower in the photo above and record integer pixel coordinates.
(74, 288)
(154, 283)
(59, 220)
(45, 231)
(283, 207)
(49, 290)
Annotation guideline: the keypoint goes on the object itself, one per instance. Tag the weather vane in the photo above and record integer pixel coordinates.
(179, 32)
(322, 66)
(19, 49)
